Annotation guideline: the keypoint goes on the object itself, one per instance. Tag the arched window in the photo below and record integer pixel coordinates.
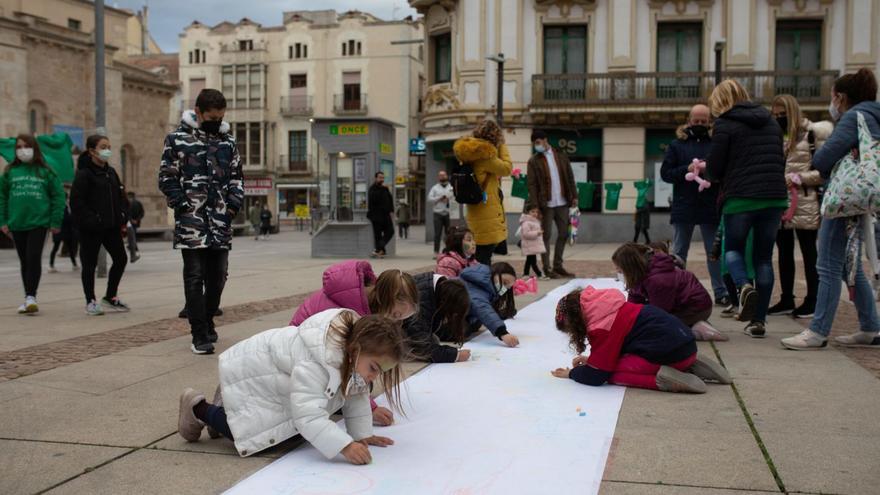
(38, 119)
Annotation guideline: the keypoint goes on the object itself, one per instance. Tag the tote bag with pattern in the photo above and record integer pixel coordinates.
(854, 188)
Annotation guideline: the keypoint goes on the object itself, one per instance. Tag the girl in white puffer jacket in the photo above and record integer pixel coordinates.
(288, 381)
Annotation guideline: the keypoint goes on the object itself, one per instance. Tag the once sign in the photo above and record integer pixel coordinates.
(349, 130)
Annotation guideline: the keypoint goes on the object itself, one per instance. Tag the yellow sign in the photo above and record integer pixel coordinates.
(385, 149)
(400, 179)
(301, 211)
(349, 130)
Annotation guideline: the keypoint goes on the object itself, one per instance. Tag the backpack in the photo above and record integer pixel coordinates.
(465, 186)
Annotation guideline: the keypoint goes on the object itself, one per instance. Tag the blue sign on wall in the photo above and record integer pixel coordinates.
(417, 147)
(76, 134)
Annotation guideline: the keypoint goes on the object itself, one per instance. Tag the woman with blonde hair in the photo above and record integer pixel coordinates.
(801, 140)
(487, 153)
(747, 160)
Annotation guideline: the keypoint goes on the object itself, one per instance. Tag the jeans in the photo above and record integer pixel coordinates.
(90, 244)
(785, 245)
(29, 245)
(765, 224)
(441, 227)
(204, 276)
(830, 265)
(559, 216)
(681, 243)
(383, 231)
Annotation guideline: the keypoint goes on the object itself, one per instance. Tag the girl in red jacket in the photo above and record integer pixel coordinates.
(633, 345)
(651, 277)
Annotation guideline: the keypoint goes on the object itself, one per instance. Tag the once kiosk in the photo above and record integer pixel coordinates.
(349, 153)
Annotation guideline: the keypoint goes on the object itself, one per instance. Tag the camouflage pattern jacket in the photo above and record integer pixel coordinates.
(201, 178)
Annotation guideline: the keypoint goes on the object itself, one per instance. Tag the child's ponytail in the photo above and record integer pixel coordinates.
(570, 320)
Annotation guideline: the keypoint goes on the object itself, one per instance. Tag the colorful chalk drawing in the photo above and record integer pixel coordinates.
(498, 424)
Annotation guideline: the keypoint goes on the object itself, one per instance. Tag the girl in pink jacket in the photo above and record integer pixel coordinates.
(458, 254)
(353, 285)
(532, 240)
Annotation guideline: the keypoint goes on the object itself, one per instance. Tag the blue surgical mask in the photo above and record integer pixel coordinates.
(105, 154)
(540, 148)
(833, 110)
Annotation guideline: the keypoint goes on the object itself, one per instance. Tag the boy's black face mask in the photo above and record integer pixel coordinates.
(211, 126)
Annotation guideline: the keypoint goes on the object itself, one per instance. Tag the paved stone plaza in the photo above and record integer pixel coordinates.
(89, 404)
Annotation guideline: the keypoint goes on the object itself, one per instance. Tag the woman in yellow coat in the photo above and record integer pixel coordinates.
(487, 153)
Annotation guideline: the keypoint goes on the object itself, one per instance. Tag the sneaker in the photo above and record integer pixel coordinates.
(783, 307)
(807, 340)
(188, 425)
(212, 336)
(134, 257)
(755, 330)
(671, 380)
(94, 309)
(728, 312)
(201, 345)
(218, 402)
(748, 299)
(860, 339)
(550, 274)
(52, 269)
(804, 311)
(22, 309)
(115, 304)
(219, 312)
(709, 370)
(704, 331)
(723, 301)
(30, 305)
(562, 272)
(375, 254)
(544, 277)
(183, 313)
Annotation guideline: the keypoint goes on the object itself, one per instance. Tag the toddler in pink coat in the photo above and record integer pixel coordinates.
(532, 236)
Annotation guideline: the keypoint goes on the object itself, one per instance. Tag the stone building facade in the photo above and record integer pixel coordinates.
(610, 80)
(47, 58)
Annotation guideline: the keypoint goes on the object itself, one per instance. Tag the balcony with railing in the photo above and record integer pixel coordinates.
(347, 104)
(552, 92)
(294, 165)
(232, 53)
(296, 105)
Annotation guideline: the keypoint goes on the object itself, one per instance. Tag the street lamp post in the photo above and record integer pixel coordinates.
(499, 105)
(719, 49)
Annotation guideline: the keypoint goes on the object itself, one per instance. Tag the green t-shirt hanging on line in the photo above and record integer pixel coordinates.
(612, 195)
(642, 186)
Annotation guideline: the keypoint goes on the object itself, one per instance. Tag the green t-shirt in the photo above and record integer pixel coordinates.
(586, 191)
(642, 186)
(612, 195)
(31, 197)
(742, 205)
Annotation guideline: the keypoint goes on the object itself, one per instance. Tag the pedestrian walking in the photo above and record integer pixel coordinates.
(100, 210)
(380, 212)
(265, 222)
(801, 140)
(68, 236)
(690, 206)
(552, 189)
(136, 212)
(441, 196)
(201, 178)
(486, 152)
(254, 218)
(403, 217)
(747, 160)
(31, 203)
(852, 95)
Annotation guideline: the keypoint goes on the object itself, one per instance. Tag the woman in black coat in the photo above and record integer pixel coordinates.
(99, 207)
(747, 159)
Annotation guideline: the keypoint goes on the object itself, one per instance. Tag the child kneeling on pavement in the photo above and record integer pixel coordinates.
(288, 381)
(633, 345)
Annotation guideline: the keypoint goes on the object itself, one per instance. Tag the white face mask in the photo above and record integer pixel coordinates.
(501, 288)
(620, 277)
(835, 113)
(540, 148)
(356, 384)
(105, 154)
(26, 155)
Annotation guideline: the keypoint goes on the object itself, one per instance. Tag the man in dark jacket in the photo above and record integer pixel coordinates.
(201, 178)
(380, 211)
(552, 189)
(690, 207)
(136, 214)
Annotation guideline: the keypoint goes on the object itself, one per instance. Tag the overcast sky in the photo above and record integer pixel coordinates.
(169, 17)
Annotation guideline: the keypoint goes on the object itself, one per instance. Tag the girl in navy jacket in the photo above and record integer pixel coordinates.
(491, 293)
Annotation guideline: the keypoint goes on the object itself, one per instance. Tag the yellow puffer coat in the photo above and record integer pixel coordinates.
(486, 220)
(806, 215)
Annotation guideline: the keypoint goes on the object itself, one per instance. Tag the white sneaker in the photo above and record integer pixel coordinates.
(860, 339)
(30, 304)
(52, 269)
(22, 309)
(94, 309)
(807, 340)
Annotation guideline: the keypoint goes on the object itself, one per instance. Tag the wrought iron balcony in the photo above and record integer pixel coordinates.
(350, 104)
(671, 88)
(296, 105)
